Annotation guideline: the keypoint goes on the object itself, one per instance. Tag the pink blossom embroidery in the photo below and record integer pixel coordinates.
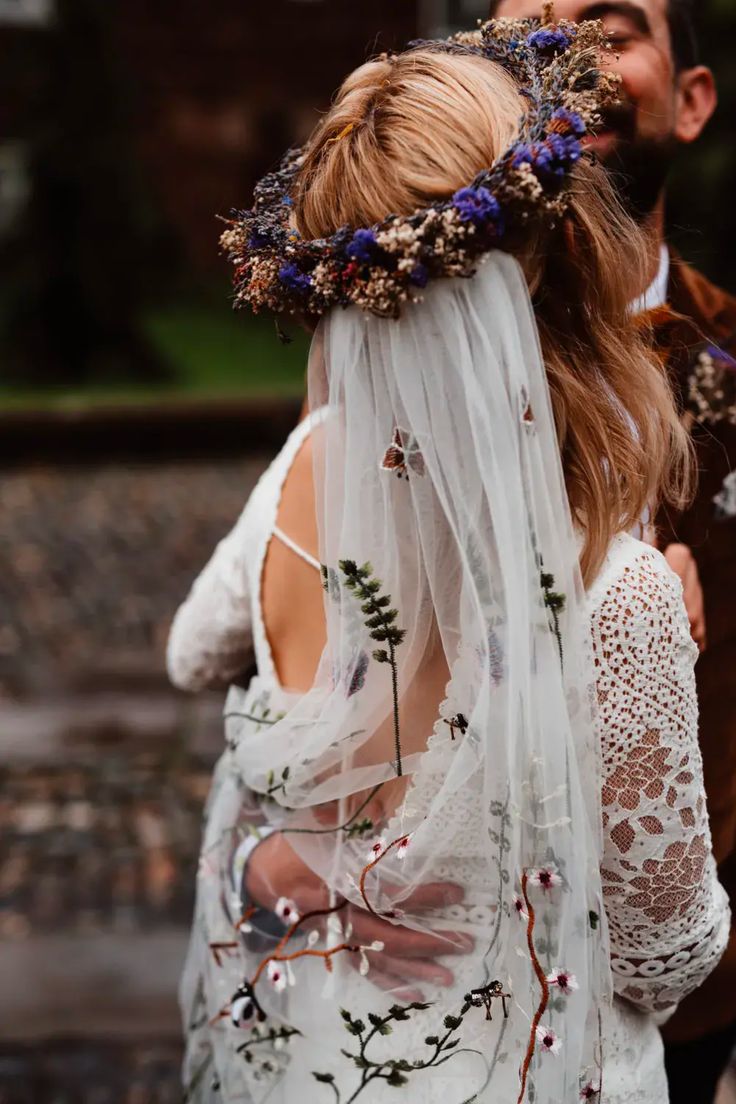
(287, 911)
(377, 850)
(520, 908)
(403, 847)
(549, 1041)
(589, 1091)
(546, 878)
(277, 975)
(527, 414)
(566, 982)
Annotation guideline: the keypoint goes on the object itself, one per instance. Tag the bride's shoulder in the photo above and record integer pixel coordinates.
(634, 571)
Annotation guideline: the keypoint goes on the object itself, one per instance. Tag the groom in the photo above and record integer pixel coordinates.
(667, 99)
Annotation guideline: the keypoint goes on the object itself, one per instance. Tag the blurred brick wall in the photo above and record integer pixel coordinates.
(216, 91)
(224, 88)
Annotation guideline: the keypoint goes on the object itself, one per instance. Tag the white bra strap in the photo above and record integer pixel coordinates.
(295, 548)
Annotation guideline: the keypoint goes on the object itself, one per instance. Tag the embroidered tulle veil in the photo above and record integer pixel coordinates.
(455, 692)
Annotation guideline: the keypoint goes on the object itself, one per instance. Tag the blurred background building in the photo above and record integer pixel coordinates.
(126, 127)
(136, 412)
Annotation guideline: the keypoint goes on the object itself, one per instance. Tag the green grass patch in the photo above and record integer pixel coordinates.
(211, 350)
(214, 350)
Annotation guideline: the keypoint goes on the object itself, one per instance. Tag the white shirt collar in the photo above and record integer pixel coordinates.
(656, 294)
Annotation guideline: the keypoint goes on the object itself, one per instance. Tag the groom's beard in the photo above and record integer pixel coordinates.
(638, 166)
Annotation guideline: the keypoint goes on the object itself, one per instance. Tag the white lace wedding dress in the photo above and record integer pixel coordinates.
(668, 915)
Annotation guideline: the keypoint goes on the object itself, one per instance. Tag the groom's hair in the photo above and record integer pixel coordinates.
(681, 19)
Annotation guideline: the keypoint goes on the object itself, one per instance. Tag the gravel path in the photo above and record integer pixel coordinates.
(95, 561)
(103, 772)
(104, 1072)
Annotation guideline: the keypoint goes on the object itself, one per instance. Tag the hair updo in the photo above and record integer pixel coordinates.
(411, 130)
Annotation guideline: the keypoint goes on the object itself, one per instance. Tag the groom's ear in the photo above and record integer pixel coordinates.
(697, 99)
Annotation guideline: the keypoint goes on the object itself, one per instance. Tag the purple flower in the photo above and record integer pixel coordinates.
(419, 276)
(551, 158)
(565, 150)
(566, 122)
(291, 277)
(362, 247)
(721, 357)
(550, 41)
(479, 206)
(258, 240)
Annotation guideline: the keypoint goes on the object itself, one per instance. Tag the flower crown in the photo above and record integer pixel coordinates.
(381, 267)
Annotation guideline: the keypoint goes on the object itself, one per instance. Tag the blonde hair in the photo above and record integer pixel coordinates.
(406, 131)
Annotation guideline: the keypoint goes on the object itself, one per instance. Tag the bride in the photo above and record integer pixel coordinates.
(457, 845)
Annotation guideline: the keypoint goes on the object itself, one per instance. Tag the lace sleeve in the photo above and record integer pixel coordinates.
(667, 912)
(210, 641)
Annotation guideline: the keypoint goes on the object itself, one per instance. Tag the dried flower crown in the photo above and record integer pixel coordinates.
(381, 267)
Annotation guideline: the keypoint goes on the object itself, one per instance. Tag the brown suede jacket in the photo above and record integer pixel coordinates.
(697, 348)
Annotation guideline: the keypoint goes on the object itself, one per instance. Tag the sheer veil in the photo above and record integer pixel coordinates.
(455, 692)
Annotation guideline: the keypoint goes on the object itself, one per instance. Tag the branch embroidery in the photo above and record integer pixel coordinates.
(380, 620)
(555, 603)
(397, 1071)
